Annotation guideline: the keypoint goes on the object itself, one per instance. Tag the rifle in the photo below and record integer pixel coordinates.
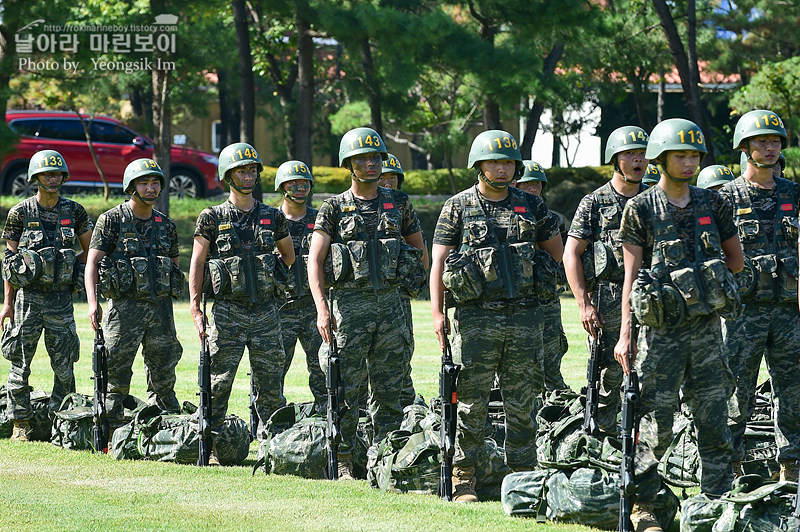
(253, 409)
(204, 382)
(630, 435)
(796, 510)
(448, 381)
(336, 401)
(100, 427)
(593, 387)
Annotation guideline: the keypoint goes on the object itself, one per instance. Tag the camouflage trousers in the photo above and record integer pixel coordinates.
(299, 322)
(690, 356)
(554, 345)
(130, 323)
(610, 400)
(772, 330)
(35, 311)
(372, 338)
(407, 394)
(503, 342)
(235, 326)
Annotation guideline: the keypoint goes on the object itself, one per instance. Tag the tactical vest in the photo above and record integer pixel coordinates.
(484, 269)
(57, 258)
(298, 286)
(361, 262)
(607, 247)
(133, 271)
(771, 258)
(239, 275)
(674, 287)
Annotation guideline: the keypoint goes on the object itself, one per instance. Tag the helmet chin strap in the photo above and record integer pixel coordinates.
(620, 172)
(243, 190)
(496, 186)
(677, 179)
(49, 188)
(146, 201)
(295, 201)
(761, 165)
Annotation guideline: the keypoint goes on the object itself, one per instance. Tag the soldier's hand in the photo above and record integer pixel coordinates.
(591, 319)
(441, 326)
(621, 351)
(324, 324)
(95, 315)
(6, 314)
(199, 323)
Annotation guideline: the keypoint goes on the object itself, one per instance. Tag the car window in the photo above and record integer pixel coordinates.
(62, 128)
(25, 126)
(107, 132)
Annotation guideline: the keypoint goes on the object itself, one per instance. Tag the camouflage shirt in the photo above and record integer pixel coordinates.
(586, 222)
(49, 218)
(106, 234)
(637, 223)
(298, 228)
(450, 226)
(244, 222)
(765, 203)
(328, 216)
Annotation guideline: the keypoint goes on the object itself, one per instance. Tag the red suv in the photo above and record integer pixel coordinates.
(192, 172)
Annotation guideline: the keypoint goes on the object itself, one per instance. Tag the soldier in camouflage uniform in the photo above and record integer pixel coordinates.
(495, 249)
(714, 176)
(764, 209)
(554, 341)
(242, 243)
(594, 237)
(38, 270)
(368, 231)
(134, 257)
(685, 240)
(298, 315)
(652, 176)
(392, 176)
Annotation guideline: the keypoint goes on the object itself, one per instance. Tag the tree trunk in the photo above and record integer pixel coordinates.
(686, 63)
(373, 88)
(640, 94)
(535, 112)
(162, 132)
(305, 98)
(248, 114)
(87, 131)
(662, 92)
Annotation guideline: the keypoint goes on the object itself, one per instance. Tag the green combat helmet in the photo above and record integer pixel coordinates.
(289, 171)
(236, 155)
(675, 134)
(757, 123)
(141, 168)
(532, 171)
(392, 166)
(47, 161)
(359, 141)
(652, 176)
(492, 145)
(623, 139)
(714, 176)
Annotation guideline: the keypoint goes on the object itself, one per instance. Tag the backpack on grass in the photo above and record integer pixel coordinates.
(73, 421)
(40, 418)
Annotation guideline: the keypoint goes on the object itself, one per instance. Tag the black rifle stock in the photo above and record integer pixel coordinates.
(630, 435)
(253, 409)
(100, 378)
(796, 510)
(590, 425)
(336, 401)
(448, 381)
(204, 382)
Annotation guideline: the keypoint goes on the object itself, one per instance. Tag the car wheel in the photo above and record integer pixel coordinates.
(17, 184)
(184, 183)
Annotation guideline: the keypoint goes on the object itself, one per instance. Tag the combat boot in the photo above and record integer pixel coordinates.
(213, 458)
(464, 484)
(789, 470)
(643, 519)
(345, 467)
(22, 430)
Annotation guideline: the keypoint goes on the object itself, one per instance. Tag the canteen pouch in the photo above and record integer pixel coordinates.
(388, 255)
(462, 276)
(606, 265)
(107, 278)
(721, 291)
(48, 256)
(587, 260)
(141, 277)
(787, 279)
(489, 264)
(546, 270)
(341, 268)
(220, 279)
(746, 279)
(411, 274)
(523, 264)
(66, 263)
(22, 268)
(766, 270)
(265, 274)
(124, 276)
(78, 276)
(177, 281)
(162, 276)
(646, 304)
(691, 291)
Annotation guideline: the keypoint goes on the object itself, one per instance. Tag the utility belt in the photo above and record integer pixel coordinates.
(385, 262)
(601, 263)
(509, 272)
(45, 269)
(769, 279)
(140, 278)
(246, 278)
(668, 299)
(301, 302)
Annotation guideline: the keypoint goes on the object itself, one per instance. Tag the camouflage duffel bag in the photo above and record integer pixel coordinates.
(586, 496)
(286, 416)
(153, 435)
(73, 422)
(40, 418)
(753, 504)
(680, 465)
(301, 449)
(405, 462)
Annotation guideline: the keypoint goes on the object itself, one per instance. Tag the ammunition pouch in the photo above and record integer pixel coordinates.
(177, 282)
(546, 270)
(524, 266)
(22, 268)
(264, 266)
(655, 304)
(140, 278)
(607, 267)
(746, 279)
(462, 276)
(411, 274)
(774, 279)
(787, 279)
(691, 290)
